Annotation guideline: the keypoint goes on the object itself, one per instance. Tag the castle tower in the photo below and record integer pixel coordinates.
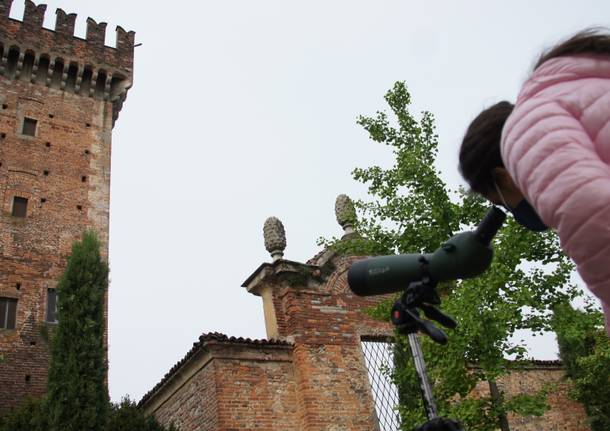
(60, 96)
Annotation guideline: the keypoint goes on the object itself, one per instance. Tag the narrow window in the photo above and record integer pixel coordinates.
(8, 313)
(20, 206)
(51, 306)
(29, 126)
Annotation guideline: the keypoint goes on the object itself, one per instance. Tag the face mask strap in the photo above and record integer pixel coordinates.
(501, 196)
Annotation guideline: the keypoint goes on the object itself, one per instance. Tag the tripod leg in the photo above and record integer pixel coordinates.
(422, 375)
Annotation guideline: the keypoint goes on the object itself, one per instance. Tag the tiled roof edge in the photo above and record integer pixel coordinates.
(204, 339)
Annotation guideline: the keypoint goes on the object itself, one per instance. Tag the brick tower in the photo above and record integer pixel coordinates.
(60, 96)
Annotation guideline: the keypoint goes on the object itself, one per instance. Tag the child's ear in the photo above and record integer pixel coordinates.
(503, 178)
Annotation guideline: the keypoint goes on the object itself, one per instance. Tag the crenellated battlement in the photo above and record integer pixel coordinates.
(59, 59)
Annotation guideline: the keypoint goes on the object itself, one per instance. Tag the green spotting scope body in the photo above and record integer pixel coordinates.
(465, 255)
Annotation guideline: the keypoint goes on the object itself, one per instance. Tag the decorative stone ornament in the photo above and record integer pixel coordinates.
(275, 237)
(345, 213)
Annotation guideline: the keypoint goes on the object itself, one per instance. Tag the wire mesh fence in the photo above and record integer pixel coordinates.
(379, 359)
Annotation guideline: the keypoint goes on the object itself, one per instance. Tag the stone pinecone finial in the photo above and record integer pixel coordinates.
(275, 237)
(345, 213)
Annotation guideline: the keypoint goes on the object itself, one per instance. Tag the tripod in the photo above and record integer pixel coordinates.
(422, 295)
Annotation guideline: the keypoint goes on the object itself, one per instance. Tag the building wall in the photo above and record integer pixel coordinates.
(564, 414)
(230, 386)
(194, 406)
(256, 394)
(325, 321)
(63, 171)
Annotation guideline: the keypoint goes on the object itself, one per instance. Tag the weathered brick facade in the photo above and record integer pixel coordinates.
(73, 89)
(313, 379)
(563, 415)
(311, 375)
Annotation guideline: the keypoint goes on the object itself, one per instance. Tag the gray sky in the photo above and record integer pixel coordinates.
(245, 109)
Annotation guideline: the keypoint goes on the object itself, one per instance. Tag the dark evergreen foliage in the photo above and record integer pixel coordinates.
(126, 416)
(77, 394)
(30, 416)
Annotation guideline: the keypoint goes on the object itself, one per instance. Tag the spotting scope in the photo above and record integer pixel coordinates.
(465, 255)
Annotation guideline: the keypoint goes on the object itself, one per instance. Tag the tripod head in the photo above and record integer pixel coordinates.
(422, 296)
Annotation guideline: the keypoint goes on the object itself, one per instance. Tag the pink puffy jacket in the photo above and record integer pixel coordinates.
(556, 147)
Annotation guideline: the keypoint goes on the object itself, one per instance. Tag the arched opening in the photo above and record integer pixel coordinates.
(28, 65)
(58, 71)
(11, 63)
(85, 84)
(100, 85)
(43, 69)
(71, 79)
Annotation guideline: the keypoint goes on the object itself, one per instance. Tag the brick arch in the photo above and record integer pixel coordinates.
(337, 282)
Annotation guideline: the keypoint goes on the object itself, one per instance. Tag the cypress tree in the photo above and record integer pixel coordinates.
(77, 393)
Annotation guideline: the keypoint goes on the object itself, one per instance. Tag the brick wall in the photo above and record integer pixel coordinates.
(325, 321)
(228, 384)
(63, 171)
(564, 413)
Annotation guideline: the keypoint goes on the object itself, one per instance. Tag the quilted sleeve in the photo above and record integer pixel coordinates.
(553, 161)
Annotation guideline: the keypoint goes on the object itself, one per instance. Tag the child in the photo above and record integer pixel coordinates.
(547, 158)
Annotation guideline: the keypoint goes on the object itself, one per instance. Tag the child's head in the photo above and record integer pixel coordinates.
(480, 151)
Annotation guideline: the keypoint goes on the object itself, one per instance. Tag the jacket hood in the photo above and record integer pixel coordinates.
(562, 69)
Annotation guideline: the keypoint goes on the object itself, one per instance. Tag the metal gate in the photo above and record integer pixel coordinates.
(379, 359)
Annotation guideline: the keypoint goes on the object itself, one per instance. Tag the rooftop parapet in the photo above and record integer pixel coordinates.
(29, 34)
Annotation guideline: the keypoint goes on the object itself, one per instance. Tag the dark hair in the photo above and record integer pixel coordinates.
(480, 151)
(589, 41)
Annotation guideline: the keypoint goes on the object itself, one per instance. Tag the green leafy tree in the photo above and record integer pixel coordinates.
(411, 210)
(77, 394)
(584, 348)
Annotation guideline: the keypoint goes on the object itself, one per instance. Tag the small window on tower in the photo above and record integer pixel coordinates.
(29, 126)
(51, 305)
(20, 206)
(8, 313)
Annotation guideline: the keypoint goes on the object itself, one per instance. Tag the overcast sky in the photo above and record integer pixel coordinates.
(242, 110)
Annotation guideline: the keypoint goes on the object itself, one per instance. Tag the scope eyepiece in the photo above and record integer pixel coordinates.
(490, 225)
